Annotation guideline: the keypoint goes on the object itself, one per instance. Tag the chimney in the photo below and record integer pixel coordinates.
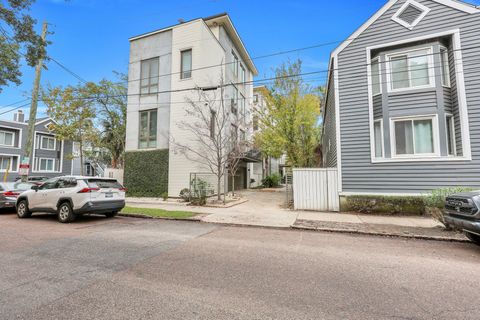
(19, 116)
(180, 21)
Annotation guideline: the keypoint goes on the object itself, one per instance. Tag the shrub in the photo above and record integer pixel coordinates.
(386, 205)
(185, 194)
(198, 194)
(272, 181)
(435, 202)
(165, 196)
(146, 173)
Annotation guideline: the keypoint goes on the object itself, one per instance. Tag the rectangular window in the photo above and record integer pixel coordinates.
(451, 148)
(255, 98)
(213, 120)
(234, 100)
(148, 129)
(46, 165)
(149, 76)
(7, 138)
(241, 104)
(414, 137)
(235, 64)
(445, 68)
(6, 163)
(410, 70)
(243, 136)
(47, 143)
(186, 64)
(378, 135)
(255, 122)
(376, 82)
(234, 134)
(243, 74)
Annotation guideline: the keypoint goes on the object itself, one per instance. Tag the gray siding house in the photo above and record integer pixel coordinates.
(50, 158)
(402, 109)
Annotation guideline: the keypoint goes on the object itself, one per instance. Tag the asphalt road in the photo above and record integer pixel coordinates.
(127, 268)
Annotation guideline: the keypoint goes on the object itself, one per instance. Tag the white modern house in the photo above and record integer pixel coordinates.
(167, 67)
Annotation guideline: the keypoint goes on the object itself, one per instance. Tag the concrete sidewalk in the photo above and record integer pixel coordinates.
(265, 209)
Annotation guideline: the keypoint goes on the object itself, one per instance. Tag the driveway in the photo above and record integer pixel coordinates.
(126, 268)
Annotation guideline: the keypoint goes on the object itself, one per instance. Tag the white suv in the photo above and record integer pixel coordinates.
(70, 196)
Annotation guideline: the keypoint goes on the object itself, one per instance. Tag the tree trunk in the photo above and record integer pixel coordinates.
(233, 183)
(219, 182)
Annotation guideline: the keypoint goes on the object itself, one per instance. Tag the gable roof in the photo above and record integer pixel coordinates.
(458, 5)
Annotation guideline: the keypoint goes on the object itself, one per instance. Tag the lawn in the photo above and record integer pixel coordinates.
(158, 212)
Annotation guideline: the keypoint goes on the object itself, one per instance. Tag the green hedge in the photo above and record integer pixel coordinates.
(146, 173)
(384, 205)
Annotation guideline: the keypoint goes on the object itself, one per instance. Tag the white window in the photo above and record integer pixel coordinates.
(411, 70)
(48, 143)
(186, 64)
(445, 68)
(376, 78)
(46, 165)
(451, 147)
(243, 74)
(378, 136)
(414, 137)
(235, 64)
(410, 14)
(148, 129)
(149, 76)
(7, 138)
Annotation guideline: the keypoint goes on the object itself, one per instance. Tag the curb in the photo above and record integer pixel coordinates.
(294, 227)
(380, 234)
(144, 216)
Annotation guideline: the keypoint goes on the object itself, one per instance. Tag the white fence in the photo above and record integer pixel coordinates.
(315, 189)
(114, 173)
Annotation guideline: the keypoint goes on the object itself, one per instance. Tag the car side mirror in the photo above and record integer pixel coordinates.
(35, 188)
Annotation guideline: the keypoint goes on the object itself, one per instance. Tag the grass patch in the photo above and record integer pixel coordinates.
(152, 212)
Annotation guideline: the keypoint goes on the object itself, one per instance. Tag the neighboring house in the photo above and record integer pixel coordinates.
(50, 155)
(259, 170)
(403, 103)
(91, 167)
(164, 66)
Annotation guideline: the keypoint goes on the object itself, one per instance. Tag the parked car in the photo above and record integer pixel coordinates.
(38, 180)
(70, 196)
(462, 210)
(9, 192)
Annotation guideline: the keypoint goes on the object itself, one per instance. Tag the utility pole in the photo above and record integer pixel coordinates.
(33, 112)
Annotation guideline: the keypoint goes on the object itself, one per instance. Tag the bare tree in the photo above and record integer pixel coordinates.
(208, 120)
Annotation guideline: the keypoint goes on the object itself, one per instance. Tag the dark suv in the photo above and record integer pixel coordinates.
(462, 211)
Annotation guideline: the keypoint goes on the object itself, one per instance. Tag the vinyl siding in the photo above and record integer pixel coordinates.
(417, 103)
(329, 141)
(377, 106)
(359, 174)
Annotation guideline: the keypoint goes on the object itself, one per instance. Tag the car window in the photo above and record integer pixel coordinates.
(49, 184)
(67, 183)
(22, 186)
(103, 183)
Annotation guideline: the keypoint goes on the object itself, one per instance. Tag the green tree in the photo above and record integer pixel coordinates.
(73, 110)
(111, 107)
(17, 33)
(290, 122)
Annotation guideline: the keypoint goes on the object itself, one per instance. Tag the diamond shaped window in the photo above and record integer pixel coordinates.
(410, 14)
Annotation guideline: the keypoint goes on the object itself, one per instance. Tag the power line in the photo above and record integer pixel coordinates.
(68, 70)
(14, 103)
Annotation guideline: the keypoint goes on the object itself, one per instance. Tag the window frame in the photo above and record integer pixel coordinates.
(435, 143)
(13, 138)
(243, 74)
(39, 164)
(149, 112)
(396, 17)
(444, 58)
(381, 138)
(451, 129)
(42, 137)
(408, 54)
(235, 63)
(377, 60)
(149, 78)
(182, 73)
(9, 156)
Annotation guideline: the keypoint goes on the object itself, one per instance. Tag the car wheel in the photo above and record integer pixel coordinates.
(22, 210)
(111, 214)
(65, 213)
(473, 237)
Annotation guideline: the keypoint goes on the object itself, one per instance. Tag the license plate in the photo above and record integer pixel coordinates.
(109, 195)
